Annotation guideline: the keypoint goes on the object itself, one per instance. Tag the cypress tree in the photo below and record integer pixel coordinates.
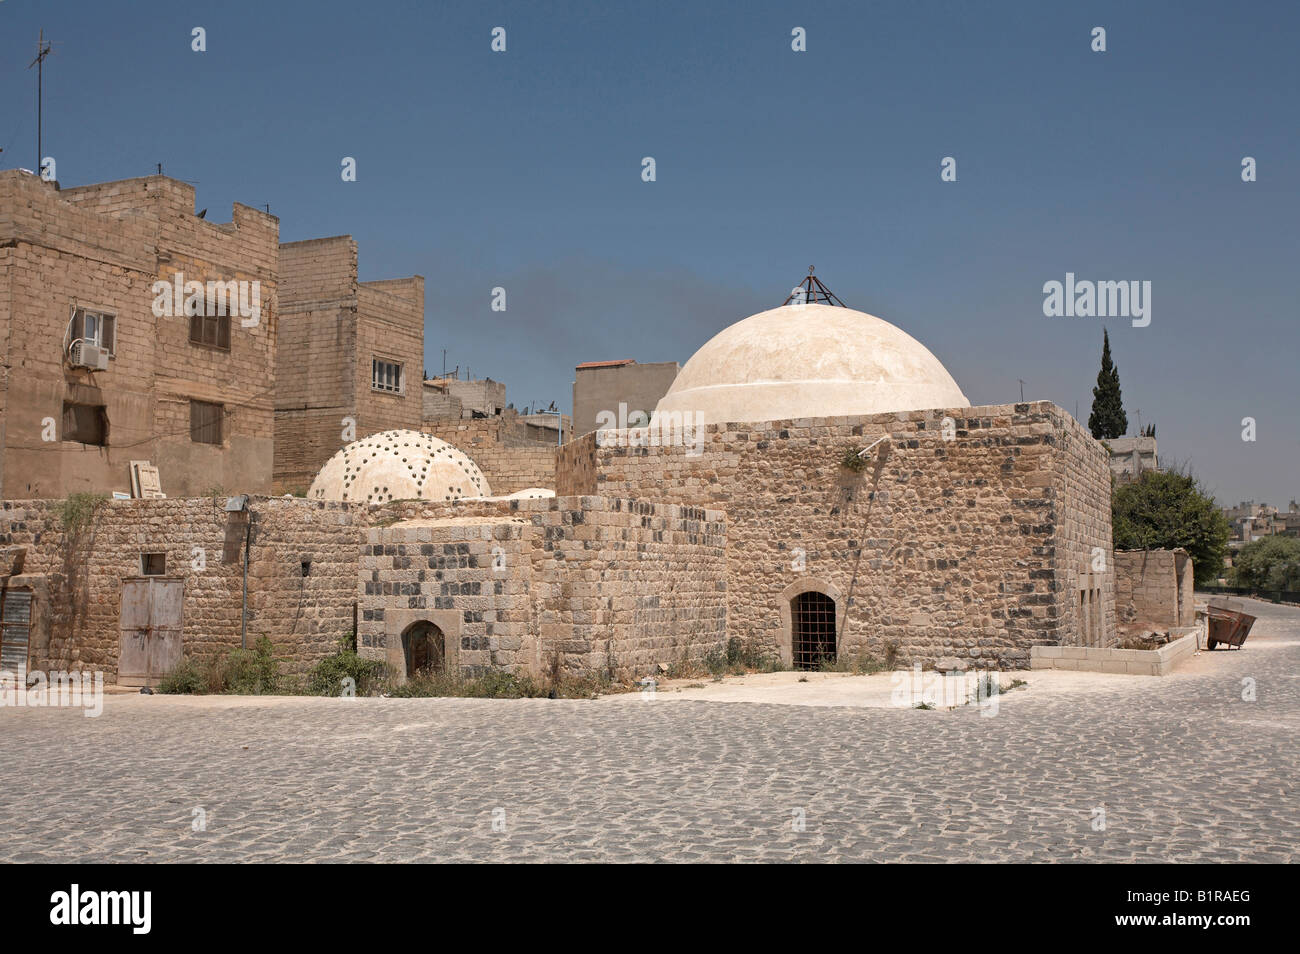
(1107, 419)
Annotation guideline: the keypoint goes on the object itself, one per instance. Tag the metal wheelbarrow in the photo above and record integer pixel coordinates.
(1226, 624)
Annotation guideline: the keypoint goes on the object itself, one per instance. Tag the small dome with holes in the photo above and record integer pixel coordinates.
(398, 465)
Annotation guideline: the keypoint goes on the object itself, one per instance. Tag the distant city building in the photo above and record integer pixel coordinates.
(1130, 457)
(454, 396)
(602, 386)
(1250, 521)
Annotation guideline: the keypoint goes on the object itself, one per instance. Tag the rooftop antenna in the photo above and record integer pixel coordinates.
(811, 291)
(1022, 389)
(43, 50)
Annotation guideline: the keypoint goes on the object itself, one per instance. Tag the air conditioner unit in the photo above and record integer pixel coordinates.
(83, 354)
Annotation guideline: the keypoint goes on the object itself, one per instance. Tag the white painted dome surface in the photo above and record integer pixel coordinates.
(398, 465)
(810, 361)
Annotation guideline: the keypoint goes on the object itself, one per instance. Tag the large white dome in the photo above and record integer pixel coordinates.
(809, 360)
(398, 465)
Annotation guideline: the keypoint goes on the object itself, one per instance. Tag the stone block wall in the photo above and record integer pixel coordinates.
(439, 405)
(575, 471)
(315, 387)
(304, 615)
(1154, 589)
(500, 447)
(586, 584)
(1085, 573)
(970, 544)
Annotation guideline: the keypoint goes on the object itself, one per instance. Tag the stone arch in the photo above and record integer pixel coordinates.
(807, 584)
(424, 648)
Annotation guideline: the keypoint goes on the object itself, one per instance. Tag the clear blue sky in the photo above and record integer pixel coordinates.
(522, 170)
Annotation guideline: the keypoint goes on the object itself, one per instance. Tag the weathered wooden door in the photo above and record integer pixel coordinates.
(151, 627)
(15, 634)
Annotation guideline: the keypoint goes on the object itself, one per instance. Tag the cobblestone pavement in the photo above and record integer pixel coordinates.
(1184, 769)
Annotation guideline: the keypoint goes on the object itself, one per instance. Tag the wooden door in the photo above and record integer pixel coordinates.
(151, 628)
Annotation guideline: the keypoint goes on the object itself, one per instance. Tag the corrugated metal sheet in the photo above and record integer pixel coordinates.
(15, 633)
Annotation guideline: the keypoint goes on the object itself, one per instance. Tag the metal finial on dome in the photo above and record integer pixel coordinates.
(811, 291)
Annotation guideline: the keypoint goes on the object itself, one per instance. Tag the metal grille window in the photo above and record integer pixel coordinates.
(812, 631)
(385, 375)
(205, 422)
(210, 331)
(85, 423)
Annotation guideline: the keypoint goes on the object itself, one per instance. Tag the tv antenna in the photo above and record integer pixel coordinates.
(43, 49)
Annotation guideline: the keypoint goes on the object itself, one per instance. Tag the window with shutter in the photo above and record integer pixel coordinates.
(210, 331)
(205, 422)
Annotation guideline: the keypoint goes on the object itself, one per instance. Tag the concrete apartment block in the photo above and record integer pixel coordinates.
(333, 329)
(98, 250)
(1130, 457)
(604, 385)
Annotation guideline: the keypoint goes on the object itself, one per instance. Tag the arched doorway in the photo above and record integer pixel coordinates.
(424, 647)
(812, 630)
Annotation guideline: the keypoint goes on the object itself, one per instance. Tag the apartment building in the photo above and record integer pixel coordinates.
(133, 329)
(350, 356)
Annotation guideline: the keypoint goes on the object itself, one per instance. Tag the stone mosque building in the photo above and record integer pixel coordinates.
(814, 485)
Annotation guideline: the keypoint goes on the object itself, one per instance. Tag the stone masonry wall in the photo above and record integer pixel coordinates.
(509, 461)
(304, 616)
(1084, 563)
(968, 547)
(587, 584)
(1153, 589)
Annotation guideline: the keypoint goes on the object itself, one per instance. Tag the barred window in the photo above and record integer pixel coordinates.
(205, 422)
(385, 375)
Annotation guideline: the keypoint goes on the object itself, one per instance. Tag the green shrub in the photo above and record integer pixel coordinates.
(251, 672)
(738, 659)
(1270, 563)
(188, 678)
(490, 684)
(859, 665)
(326, 678)
(852, 460)
(76, 512)
(1162, 510)
(499, 684)
(240, 672)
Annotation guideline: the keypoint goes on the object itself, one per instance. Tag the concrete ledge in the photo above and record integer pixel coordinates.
(1136, 662)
